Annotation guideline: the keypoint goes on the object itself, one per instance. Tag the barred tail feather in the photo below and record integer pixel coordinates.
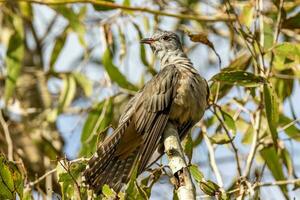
(107, 167)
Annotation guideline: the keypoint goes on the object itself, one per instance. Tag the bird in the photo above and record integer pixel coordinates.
(176, 95)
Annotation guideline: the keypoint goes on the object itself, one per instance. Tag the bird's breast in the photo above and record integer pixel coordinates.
(191, 98)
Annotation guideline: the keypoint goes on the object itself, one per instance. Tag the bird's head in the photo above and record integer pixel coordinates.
(163, 42)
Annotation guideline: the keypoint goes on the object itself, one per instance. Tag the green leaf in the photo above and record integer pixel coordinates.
(240, 63)
(11, 180)
(98, 119)
(247, 138)
(286, 55)
(67, 93)
(14, 58)
(209, 187)
(133, 191)
(107, 192)
(114, 73)
(68, 175)
(84, 83)
(220, 138)
(246, 16)
(291, 130)
(229, 122)
(188, 146)
(75, 20)
(102, 7)
(273, 162)
(240, 78)
(58, 46)
(292, 22)
(287, 160)
(271, 108)
(143, 50)
(196, 173)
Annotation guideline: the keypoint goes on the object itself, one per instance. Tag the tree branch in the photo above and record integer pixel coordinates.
(212, 159)
(184, 185)
(208, 18)
(7, 137)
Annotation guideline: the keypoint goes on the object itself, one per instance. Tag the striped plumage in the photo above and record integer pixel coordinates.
(177, 95)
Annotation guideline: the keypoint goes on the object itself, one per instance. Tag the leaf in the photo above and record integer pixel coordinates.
(247, 139)
(132, 190)
(107, 192)
(229, 122)
(292, 130)
(292, 22)
(271, 108)
(14, 58)
(240, 78)
(67, 93)
(203, 39)
(286, 55)
(287, 160)
(67, 174)
(209, 187)
(246, 16)
(196, 173)
(75, 20)
(188, 146)
(97, 120)
(220, 138)
(11, 180)
(240, 63)
(103, 7)
(114, 73)
(143, 50)
(58, 46)
(272, 160)
(84, 83)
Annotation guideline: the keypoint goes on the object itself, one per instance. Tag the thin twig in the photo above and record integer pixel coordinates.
(7, 137)
(42, 177)
(212, 159)
(107, 4)
(255, 139)
(276, 34)
(231, 140)
(261, 184)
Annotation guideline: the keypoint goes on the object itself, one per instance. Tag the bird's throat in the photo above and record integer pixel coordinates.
(173, 57)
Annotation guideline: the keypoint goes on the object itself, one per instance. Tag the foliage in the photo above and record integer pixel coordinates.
(68, 69)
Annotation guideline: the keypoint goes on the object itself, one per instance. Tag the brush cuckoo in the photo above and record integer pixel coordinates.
(177, 94)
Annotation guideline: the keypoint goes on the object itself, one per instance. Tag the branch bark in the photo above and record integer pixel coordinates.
(206, 18)
(184, 185)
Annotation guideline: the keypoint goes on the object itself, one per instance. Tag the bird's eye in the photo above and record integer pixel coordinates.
(166, 38)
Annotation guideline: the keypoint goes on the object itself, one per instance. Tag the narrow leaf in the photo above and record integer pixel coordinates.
(229, 122)
(67, 93)
(114, 72)
(196, 173)
(240, 78)
(58, 46)
(14, 58)
(84, 83)
(271, 108)
(273, 162)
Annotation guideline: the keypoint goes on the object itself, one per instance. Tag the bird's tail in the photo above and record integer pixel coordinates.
(107, 167)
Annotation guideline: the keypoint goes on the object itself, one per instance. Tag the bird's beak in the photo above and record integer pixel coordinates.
(147, 40)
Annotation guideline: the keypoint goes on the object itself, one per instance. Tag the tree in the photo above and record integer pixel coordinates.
(71, 66)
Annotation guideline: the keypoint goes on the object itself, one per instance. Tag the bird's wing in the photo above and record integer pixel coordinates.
(149, 112)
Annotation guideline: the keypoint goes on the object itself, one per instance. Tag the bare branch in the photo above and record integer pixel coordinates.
(212, 159)
(206, 18)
